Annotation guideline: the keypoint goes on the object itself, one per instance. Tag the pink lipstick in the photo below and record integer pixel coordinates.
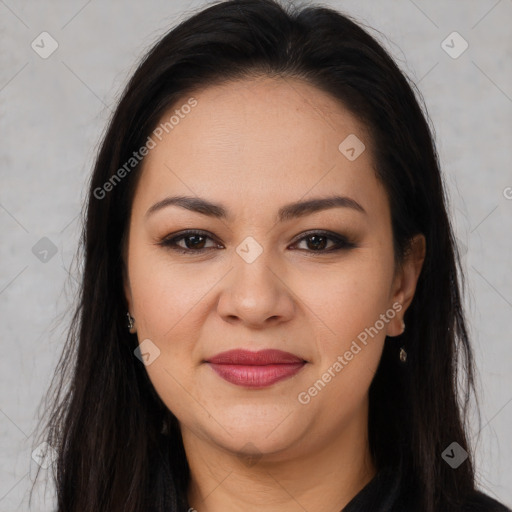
(255, 369)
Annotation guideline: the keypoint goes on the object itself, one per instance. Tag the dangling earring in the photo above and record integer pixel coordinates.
(403, 353)
(130, 322)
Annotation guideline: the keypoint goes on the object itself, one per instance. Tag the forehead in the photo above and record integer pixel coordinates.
(262, 139)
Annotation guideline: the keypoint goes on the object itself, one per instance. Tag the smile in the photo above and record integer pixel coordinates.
(255, 369)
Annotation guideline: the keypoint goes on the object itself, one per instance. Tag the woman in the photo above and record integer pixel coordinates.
(267, 214)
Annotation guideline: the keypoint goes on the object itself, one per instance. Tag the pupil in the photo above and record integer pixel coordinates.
(315, 244)
(192, 237)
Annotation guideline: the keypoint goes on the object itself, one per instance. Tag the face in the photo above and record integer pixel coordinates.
(316, 283)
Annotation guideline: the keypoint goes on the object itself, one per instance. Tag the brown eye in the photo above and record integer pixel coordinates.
(194, 241)
(188, 242)
(318, 241)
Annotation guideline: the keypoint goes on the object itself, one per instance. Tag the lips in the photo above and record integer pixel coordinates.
(263, 357)
(255, 369)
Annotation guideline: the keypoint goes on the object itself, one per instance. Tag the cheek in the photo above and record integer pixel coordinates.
(347, 299)
(349, 337)
(166, 295)
(168, 300)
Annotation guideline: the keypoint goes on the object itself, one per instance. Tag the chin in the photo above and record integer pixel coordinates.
(261, 429)
(253, 444)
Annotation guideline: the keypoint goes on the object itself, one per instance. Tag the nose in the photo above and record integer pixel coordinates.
(255, 294)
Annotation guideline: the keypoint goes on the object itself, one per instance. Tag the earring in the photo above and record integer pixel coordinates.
(130, 322)
(403, 353)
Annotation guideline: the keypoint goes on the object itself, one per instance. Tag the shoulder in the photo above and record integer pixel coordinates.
(480, 502)
(476, 502)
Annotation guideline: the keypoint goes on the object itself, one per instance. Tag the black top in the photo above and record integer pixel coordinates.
(385, 494)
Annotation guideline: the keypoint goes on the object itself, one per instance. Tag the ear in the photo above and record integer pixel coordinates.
(405, 281)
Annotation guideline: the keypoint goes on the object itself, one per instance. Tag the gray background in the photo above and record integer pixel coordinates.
(54, 110)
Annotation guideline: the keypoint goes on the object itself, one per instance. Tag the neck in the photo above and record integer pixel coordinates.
(320, 476)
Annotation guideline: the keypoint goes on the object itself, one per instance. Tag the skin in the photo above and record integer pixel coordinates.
(255, 145)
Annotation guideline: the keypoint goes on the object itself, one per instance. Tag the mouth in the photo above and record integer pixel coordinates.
(255, 369)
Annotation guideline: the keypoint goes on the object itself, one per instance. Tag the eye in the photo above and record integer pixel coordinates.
(317, 241)
(194, 242)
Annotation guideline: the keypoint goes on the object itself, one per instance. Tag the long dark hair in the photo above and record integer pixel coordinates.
(118, 446)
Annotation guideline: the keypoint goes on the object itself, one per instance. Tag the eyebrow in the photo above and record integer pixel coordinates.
(287, 212)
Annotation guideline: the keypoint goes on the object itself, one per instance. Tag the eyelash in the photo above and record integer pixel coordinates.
(342, 243)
